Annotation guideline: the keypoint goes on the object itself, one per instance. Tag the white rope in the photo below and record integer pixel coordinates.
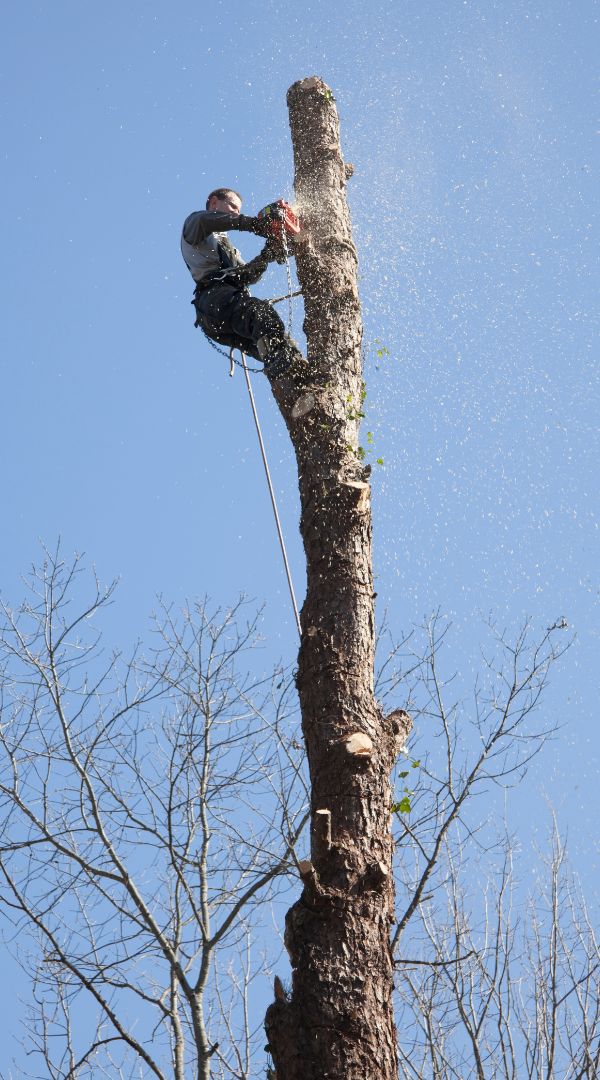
(272, 494)
(232, 362)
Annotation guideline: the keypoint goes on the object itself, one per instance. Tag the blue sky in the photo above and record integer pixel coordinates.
(473, 134)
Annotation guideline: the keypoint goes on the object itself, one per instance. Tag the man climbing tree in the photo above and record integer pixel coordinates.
(225, 310)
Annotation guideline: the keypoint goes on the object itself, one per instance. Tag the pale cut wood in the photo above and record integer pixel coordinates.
(305, 868)
(359, 744)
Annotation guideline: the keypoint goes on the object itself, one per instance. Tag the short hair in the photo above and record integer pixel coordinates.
(221, 193)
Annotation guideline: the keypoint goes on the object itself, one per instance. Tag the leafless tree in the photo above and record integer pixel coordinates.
(506, 985)
(152, 808)
(147, 805)
(492, 980)
(463, 748)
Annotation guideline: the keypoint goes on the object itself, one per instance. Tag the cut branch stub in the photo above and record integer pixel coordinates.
(306, 868)
(378, 874)
(308, 874)
(278, 989)
(401, 725)
(357, 494)
(321, 830)
(359, 745)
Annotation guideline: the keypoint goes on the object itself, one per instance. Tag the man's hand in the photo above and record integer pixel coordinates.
(274, 250)
(258, 226)
(263, 227)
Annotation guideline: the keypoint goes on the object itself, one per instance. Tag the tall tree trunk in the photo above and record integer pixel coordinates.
(338, 1020)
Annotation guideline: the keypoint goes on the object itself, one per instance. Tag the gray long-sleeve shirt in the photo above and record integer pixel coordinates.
(204, 246)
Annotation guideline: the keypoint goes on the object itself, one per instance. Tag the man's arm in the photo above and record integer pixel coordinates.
(201, 223)
(252, 271)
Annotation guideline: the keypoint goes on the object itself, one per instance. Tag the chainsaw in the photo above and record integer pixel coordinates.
(281, 218)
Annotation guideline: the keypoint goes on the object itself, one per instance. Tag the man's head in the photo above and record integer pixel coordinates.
(226, 200)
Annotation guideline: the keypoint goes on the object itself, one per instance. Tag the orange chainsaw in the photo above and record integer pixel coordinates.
(281, 218)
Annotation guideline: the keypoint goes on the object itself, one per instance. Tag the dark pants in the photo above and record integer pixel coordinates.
(234, 318)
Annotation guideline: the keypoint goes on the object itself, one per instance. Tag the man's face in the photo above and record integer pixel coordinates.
(231, 204)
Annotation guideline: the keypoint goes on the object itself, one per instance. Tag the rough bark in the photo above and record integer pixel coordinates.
(338, 1020)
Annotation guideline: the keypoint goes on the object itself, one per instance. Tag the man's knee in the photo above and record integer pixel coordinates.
(233, 313)
(265, 321)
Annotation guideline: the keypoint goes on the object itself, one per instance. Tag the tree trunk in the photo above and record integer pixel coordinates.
(338, 1020)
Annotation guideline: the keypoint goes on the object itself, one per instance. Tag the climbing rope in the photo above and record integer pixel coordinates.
(271, 493)
(233, 363)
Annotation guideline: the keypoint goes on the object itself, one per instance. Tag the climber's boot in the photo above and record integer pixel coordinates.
(280, 356)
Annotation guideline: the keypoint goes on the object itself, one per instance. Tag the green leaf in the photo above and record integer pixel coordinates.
(402, 807)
